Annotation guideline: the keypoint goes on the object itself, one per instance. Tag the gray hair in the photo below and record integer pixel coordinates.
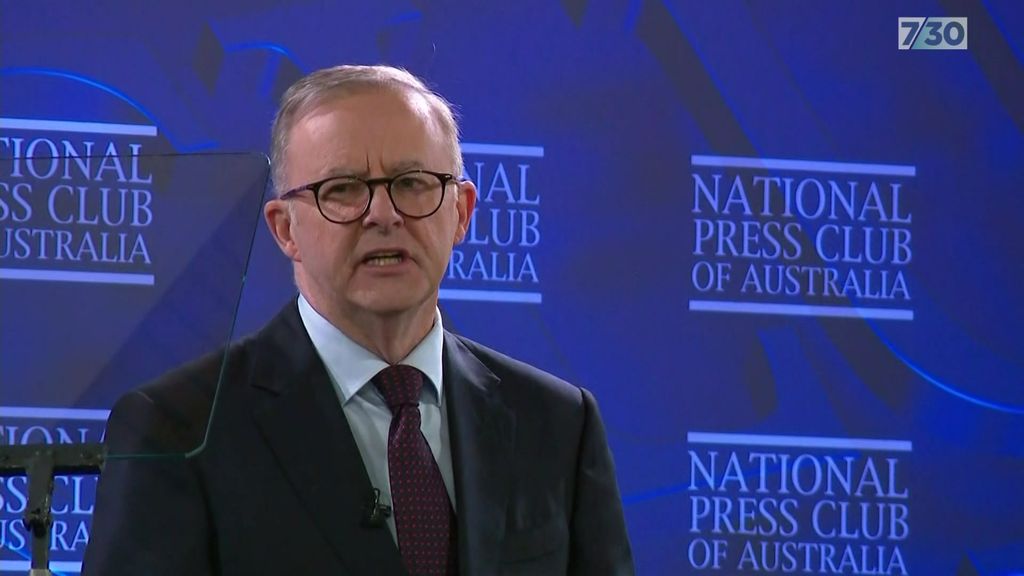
(314, 88)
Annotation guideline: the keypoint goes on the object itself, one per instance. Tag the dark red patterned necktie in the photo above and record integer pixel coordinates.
(424, 517)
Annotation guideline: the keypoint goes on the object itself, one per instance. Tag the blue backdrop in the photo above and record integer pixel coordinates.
(783, 251)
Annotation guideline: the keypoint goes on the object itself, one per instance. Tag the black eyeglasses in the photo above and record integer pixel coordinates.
(345, 199)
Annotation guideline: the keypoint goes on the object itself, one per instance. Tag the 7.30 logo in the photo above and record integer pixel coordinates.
(933, 33)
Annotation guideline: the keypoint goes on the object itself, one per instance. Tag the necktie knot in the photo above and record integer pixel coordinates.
(400, 385)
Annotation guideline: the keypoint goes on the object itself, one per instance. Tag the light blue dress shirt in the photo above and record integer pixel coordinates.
(350, 367)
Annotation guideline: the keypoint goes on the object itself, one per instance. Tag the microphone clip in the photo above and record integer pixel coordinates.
(376, 514)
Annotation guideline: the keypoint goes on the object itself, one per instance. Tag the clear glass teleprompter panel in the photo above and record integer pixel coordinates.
(114, 272)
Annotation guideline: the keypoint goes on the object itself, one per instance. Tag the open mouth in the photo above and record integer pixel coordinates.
(384, 259)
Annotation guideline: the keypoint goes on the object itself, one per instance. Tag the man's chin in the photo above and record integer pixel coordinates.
(392, 304)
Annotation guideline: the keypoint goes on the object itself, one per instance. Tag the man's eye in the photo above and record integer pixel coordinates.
(342, 188)
(411, 183)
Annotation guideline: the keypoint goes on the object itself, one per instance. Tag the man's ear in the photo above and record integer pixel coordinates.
(465, 202)
(279, 220)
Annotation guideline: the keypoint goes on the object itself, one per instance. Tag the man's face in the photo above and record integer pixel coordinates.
(383, 264)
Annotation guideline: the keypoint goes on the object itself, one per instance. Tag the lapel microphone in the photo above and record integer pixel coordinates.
(376, 514)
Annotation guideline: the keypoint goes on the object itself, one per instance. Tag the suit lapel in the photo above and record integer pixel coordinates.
(482, 430)
(305, 428)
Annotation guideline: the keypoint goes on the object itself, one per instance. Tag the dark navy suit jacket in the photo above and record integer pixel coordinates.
(280, 488)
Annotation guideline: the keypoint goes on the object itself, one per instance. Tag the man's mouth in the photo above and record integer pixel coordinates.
(384, 259)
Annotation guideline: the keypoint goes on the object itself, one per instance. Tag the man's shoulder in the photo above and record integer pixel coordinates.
(519, 377)
(197, 381)
(169, 414)
(172, 412)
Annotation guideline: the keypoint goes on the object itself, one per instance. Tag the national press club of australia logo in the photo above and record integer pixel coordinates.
(76, 201)
(801, 237)
(497, 261)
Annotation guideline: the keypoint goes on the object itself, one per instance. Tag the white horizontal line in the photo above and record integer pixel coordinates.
(53, 413)
(72, 126)
(73, 276)
(502, 149)
(800, 441)
(801, 310)
(803, 165)
(23, 566)
(490, 296)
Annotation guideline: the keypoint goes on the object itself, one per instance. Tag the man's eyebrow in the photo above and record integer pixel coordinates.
(392, 169)
(339, 171)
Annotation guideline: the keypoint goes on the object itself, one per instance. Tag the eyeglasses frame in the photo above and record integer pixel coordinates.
(372, 183)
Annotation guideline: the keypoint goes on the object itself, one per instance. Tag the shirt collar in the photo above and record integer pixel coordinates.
(351, 367)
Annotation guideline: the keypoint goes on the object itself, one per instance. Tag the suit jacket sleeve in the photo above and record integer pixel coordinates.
(599, 543)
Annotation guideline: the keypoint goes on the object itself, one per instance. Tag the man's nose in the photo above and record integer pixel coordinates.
(381, 211)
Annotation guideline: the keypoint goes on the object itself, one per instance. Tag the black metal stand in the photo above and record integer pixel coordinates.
(40, 463)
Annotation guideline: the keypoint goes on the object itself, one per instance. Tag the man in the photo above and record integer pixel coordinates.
(353, 435)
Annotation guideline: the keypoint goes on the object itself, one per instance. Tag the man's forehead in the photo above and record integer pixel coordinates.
(353, 134)
(398, 98)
